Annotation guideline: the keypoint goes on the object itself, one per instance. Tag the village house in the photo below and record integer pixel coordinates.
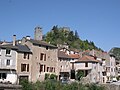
(64, 65)
(108, 64)
(15, 59)
(90, 68)
(44, 56)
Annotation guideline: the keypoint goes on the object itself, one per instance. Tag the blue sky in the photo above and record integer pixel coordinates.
(95, 20)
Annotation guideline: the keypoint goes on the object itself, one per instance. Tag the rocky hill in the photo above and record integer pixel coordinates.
(63, 35)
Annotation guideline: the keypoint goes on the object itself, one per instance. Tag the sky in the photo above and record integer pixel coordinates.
(94, 20)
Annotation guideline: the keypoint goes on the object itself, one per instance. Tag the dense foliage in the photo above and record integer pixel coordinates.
(116, 52)
(66, 36)
(55, 85)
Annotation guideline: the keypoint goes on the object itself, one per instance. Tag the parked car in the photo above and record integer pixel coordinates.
(114, 80)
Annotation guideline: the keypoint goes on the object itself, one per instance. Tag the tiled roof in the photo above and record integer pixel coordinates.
(38, 42)
(23, 48)
(87, 58)
(19, 47)
(62, 54)
(9, 46)
(74, 56)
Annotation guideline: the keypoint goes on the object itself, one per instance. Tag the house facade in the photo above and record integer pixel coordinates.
(64, 65)
(44, 57)
(11, 61)
(90, 67)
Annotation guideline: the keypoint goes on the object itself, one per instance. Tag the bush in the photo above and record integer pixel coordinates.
(26, 85)
(47, 76)
(79, 75)
(53, 76)
(51, 84)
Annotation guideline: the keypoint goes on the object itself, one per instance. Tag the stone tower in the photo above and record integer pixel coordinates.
(38, 33)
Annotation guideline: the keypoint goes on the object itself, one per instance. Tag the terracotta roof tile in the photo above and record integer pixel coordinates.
(75, 56)
(87, 58)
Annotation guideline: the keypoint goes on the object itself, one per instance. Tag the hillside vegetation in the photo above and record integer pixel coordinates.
(116, 52)
(63, 35)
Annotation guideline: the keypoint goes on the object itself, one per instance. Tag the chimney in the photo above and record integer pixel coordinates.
(14, 39)
(28, 37)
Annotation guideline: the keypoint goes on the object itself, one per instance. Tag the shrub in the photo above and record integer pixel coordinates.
(53, 76)
(79, 75)
(47, 76)
(26, 85)
(51, 84)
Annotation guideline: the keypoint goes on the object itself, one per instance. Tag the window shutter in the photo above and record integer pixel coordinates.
(5, 62)
(11, 62)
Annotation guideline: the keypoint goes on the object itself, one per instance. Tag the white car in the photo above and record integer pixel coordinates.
(114, 80)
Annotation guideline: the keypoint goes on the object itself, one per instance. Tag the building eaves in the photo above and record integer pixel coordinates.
(18, 48)
(42, 43)
(8, 46)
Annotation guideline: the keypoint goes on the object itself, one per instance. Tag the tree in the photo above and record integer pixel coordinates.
(79, 75)
(76, 35)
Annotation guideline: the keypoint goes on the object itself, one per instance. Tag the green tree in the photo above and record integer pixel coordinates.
(79, 75)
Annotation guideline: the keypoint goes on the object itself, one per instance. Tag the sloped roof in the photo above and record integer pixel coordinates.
(39, 42)
(62, 54)
(87, 58)
(19, 47)
(9, 46)
(23, 48)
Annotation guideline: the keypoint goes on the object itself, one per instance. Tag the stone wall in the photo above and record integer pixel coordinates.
(10, 87)
(112, 87)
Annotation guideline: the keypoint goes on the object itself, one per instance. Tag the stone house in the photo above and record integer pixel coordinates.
(90, 67)
(44, 56)
(13, 60)
(64, 65)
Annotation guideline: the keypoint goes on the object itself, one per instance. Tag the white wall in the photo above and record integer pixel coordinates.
(11, 57)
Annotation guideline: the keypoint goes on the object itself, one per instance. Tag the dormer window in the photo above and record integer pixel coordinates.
(8, 51)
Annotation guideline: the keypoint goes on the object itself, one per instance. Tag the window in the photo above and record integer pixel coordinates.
(8, 62)
(3, 75)
(41, 56)
(47, 69)
(8, 51)
(104, 73)
(111, 69)
(41, 68)
(86, 64)
(24, 67)
(45, 57)
(51, 69)
(26, 55)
